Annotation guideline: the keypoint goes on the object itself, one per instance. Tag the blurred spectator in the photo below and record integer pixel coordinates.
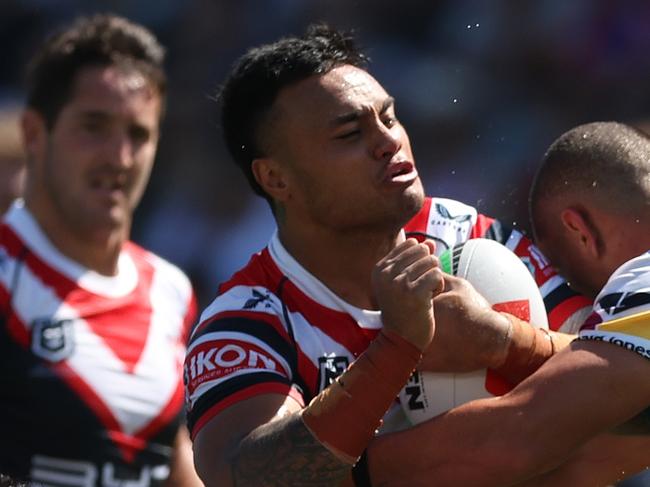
(12, 161)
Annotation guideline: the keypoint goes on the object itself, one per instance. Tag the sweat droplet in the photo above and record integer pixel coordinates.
(594, 184)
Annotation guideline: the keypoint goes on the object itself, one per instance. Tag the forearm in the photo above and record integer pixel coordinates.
(528, 349)
(461, 447)
(529, 431)
(602, 461)
(284, 452)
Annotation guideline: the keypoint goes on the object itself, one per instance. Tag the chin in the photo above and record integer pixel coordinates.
(111, 220)
(413, 199)
(584, 289)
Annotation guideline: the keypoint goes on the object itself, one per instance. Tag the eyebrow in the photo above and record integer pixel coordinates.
(355, 115)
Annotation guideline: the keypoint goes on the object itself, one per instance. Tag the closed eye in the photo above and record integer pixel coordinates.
(349, 135)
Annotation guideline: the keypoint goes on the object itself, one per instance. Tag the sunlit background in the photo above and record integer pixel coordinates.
(482, 86)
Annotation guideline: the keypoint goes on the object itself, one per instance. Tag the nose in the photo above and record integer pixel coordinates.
(120, 153)
(387, 142)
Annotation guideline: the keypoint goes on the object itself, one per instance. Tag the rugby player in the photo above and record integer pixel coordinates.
(93, 327)
(294, 364)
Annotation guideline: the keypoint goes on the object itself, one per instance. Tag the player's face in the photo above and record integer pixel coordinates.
(570, 264)
(89, 171)
(348, 157)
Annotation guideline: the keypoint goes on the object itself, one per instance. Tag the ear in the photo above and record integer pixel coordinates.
(34, 135)
(272, 177)
(581, 231)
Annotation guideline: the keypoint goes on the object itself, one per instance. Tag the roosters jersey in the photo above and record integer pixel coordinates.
(274, 327)
(621, 311)
(90, 366)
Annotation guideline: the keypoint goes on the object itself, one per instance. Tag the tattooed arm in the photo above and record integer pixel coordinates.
(263, 442)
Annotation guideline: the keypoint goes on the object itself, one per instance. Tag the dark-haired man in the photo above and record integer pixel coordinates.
(293, 366)
(93, 327)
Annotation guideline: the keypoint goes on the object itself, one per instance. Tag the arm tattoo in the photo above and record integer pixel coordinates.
(285, 453)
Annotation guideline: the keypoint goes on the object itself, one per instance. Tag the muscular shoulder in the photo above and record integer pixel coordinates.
(250, 294)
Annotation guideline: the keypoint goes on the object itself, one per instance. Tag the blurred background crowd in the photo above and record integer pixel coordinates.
(482, 87)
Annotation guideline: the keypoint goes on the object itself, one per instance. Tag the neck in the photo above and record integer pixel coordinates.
(96, 249)
(342, 261)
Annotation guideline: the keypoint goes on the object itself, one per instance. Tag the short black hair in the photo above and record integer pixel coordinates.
(100, 40)
(607, 162)
(259, 75)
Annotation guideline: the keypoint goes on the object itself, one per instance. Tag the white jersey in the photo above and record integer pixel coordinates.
(621, 312)
(90, 365)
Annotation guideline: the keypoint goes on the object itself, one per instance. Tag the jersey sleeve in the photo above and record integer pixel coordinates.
(240, 349)
(566, 308)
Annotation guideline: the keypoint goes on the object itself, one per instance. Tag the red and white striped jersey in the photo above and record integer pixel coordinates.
(90, 365)
(274, 327)
(621, 311)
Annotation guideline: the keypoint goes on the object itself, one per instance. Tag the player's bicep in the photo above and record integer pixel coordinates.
(604, 460)
(588, 388)
(218, 440)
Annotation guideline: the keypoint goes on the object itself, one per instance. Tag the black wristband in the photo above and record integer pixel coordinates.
(360, 473)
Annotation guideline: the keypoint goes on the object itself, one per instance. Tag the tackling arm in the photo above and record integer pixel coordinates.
(582, 391)
(601, 462)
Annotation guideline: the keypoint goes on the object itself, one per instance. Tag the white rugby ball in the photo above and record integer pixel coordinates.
(507, 284)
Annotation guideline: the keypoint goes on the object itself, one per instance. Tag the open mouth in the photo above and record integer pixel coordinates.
(108, 186)
(400, 172)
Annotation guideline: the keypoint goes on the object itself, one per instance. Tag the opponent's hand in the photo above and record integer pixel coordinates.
(404, 282)
(469, 334)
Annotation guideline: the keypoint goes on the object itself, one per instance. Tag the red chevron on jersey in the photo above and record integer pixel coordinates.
(113, 346)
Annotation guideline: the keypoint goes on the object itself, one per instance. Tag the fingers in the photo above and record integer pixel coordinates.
(453, 283)
(432, 281)
(432, 246)
(404, 282)
(404, 255)
(413, 267)
(409, 245)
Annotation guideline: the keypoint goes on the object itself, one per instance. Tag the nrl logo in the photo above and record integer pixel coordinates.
(329, 368)
(52, 340)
